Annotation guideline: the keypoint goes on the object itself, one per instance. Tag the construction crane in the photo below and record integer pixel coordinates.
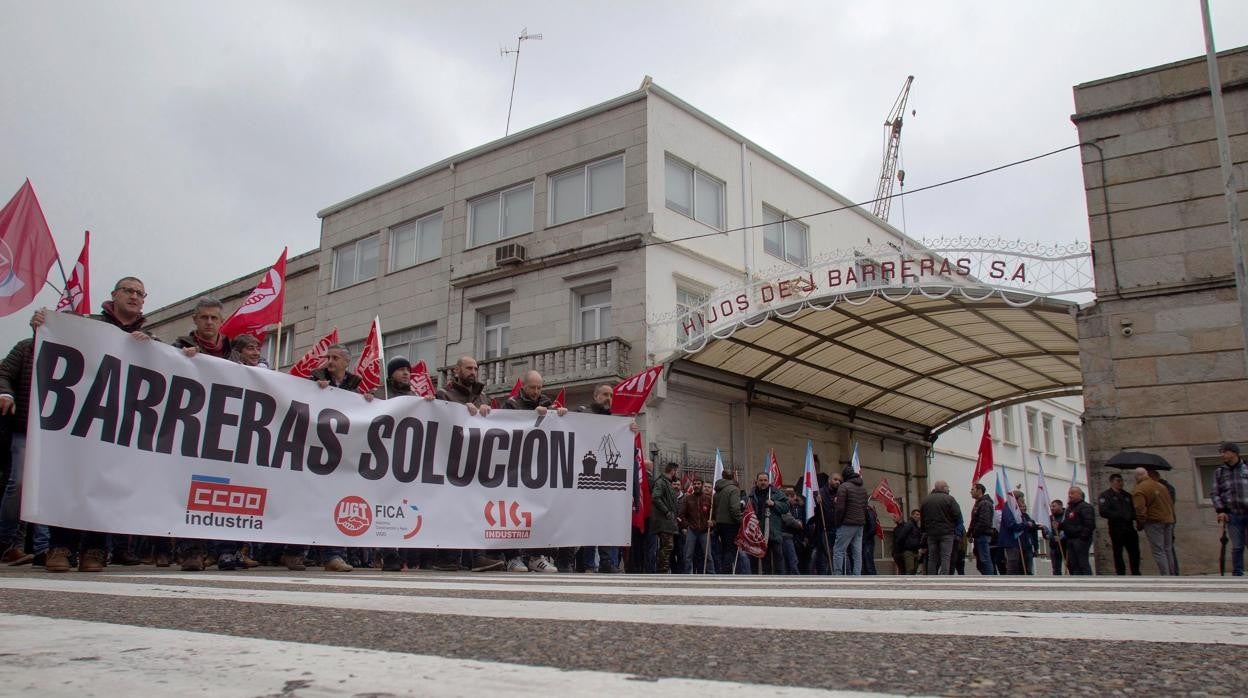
(892, 144)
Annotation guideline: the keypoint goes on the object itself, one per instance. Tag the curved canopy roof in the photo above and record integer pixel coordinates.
(927, 361)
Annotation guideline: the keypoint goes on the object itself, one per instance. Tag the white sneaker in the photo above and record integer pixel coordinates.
(541, 563)
(516, 564)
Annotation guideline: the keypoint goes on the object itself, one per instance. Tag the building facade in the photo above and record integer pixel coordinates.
(1162, 347)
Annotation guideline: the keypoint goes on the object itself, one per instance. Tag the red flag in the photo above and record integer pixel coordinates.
(369, 367)
(27, 250)
(263, 307)
(630, 394)
(884, 494)
(773, 470)
(686, 483)
(422, 384)
(77, 295)
(559, 400)
(641, 486)
(879, 530)
(984, 465)
(750, 538)
(315, 358)
(515, 389)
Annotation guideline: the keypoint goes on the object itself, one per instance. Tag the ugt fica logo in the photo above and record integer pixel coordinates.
(505, 521)
(353, 516)
(221, 505)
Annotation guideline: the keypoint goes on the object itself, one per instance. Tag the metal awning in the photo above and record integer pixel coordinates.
(926, 362)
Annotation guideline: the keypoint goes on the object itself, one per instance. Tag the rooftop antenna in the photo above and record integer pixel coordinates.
(502, 52)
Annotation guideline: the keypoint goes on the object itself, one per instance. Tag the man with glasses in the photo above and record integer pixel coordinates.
(125, 312)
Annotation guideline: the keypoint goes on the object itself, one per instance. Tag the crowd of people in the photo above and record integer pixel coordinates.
(693, 527)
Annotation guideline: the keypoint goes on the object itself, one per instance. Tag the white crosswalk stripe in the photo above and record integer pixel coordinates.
(941, 614)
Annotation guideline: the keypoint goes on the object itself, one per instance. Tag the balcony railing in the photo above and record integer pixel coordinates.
(572, 363)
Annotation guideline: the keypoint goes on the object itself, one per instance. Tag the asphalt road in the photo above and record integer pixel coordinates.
(275, 633)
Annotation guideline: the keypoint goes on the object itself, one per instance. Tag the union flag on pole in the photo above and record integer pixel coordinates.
(983, 465)
(750, 538)
(630, 394)
(422, 384)
(515, 389)
(371, 363)
(263, 307)
(773, 470)
(315, 358)
(27, 250)
(884, 494)
(641, 486)
(560, 399)
(76, 298)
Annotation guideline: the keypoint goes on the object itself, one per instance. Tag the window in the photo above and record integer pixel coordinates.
(1046, 424)
(495, 326)
(1068, 436)
(501, 215)
(593, 313)
(414, 344)
(687, 301)
(355, 262)
(353, 352)
(587, 190)
(1033, 429)
(1079, 443)
(1205, 467)
(694, 193)
(267, 347)
(784, 237)
(416, 241)
(1008, 429)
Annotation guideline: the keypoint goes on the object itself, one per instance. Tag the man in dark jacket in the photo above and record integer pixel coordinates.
(1053, 537)
(465, 389)
(694, 517)
(1230, 500)
(15, 380)
(906, 541)
(770, 505)
(940, 514)
(849, 514)
(1119, 512)
(663, 514)
(531, 398)
(868, 540)
(1078, 527)
(981, 528)
(608, 557)
(125, 312)
(398, 384)
(822, 530)
(726, 506)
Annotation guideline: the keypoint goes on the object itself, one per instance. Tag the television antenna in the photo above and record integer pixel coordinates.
(502, 52)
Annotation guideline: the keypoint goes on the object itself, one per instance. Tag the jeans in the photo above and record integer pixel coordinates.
(939, 554)
(847, 536)
(600, 558)
(983, 555)
(11, 505)
(1237, 531)
(1161, 543)
(823, 544)
(868, 552)
(727, 534)
(697, 552)
(790, 556)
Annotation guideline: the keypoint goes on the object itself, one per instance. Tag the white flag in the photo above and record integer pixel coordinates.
(853, 461)
(1040, 504)
(809, 482)
(719, 468)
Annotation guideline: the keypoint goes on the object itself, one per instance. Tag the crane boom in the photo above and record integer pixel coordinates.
(892, 143)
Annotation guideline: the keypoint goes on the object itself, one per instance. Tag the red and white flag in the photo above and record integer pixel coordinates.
(27, 250)
(641, 486)
(422, 384)
(515, 389)
(773, 470)
(630, 394)
(884, 495)
(984, 465)
(371, 364)
(263, 307)
(315, 358)
(750, 538)
(559, 400)
(77, 295)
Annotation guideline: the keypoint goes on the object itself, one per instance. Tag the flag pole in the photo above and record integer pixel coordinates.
(277, 347)
(710, 517)
(823, 519)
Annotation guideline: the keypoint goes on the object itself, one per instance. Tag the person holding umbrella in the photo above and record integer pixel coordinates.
(1230, 500)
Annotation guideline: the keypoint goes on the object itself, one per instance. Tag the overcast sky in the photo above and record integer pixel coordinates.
(196, 139)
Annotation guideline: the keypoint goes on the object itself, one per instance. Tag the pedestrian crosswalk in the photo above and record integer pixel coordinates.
(287, 633)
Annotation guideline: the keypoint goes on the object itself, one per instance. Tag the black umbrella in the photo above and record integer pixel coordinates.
(1126, 460)
(1222, 556)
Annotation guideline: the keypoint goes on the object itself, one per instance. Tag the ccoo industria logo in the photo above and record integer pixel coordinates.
(213, 502)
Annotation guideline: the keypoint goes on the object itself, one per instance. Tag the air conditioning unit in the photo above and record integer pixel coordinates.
(511, 253)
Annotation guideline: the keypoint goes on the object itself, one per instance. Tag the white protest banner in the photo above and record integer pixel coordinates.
(131, 436)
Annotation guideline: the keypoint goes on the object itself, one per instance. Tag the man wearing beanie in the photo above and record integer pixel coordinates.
(849, 513)
(398, 383)
(1230, 500)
